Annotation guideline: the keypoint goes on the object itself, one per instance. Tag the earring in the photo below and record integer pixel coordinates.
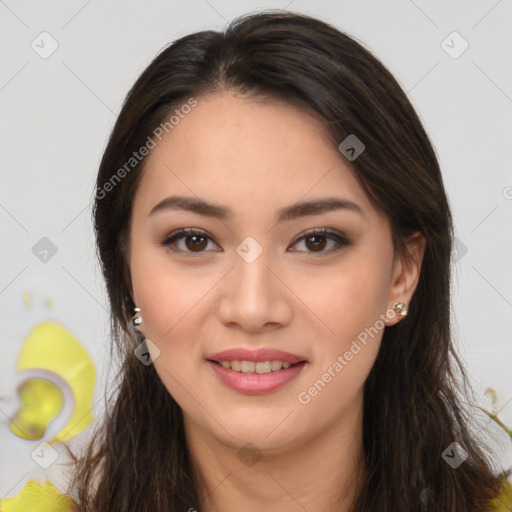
(399, 307)
(137, 320)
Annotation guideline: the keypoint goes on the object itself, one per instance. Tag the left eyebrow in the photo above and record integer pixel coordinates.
(317, 207)
(294, 211)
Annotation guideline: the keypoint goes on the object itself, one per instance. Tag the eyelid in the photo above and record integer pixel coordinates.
(323, 231)
(185, 231)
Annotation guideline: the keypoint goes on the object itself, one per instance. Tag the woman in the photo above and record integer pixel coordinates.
(275, 238)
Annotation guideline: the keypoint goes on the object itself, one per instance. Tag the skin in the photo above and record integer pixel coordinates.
(256, 157)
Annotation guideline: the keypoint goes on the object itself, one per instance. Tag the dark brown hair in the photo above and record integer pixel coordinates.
(137, 458)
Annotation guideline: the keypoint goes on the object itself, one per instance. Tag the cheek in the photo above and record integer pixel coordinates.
(351, 297)
(171, 306)
(166, 294)
(349, 306)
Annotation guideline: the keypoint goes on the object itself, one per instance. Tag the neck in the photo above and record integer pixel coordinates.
(322, 474)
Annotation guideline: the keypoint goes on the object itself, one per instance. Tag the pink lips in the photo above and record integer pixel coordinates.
(254, 383)
(260, 354)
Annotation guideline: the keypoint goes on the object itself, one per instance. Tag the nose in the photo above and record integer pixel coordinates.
(254, 296)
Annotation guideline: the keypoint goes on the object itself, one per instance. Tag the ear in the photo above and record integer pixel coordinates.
(405, 276)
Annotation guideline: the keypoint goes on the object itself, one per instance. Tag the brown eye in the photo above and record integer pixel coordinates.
(317, 240)
(194, 241)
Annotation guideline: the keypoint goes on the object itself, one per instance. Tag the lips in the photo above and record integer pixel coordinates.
(250, 371)
(253, 383)
(256, 355)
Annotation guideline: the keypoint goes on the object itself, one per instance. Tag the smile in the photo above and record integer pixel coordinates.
(259, 367)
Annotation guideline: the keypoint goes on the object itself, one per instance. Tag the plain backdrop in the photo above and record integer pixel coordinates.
(57, 112)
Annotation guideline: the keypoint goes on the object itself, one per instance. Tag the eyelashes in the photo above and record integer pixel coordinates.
(198, 237)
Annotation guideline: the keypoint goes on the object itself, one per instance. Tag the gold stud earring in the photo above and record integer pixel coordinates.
(399, 307)
(137, 320)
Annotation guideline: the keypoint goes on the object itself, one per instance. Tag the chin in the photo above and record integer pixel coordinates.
(265, 435)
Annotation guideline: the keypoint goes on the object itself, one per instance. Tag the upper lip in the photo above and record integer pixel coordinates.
(260, 354)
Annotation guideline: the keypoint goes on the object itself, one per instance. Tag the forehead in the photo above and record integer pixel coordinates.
(244, 152)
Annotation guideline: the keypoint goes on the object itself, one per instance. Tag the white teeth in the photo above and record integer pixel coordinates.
(265, 367)
(276, 365)
(259, 367)
(247, 366)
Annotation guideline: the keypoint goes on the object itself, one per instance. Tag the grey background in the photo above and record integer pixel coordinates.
(57, 112)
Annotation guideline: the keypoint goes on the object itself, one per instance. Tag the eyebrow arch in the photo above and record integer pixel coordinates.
(301, 209)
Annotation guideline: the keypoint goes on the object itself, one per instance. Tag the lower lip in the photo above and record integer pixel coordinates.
(255, 383)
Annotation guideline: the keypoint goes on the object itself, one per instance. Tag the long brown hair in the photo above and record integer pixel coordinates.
(137, 458)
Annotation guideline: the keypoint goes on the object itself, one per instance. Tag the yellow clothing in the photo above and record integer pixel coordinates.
(503, 503)
(46, 498)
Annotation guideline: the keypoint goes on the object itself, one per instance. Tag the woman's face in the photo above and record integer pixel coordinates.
(250, 280)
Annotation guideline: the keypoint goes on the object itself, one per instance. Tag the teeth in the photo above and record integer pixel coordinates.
(247, 366)
(265, 367)
(255, 367)
(276, 365)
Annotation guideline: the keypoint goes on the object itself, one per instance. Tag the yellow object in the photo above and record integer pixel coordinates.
(35, 497)
(51, 347)
(41, 402)
(503, 503)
